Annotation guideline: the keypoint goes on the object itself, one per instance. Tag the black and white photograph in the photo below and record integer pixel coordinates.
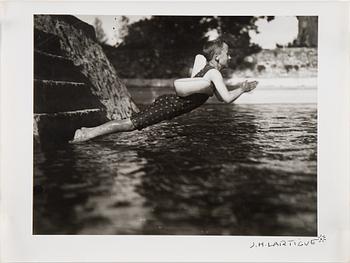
(175, 125)
(174, 131)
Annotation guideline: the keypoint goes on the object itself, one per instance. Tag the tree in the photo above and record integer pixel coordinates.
(121, 29)
(308, 33)
(168, 32)
(235, 31)
(100, 34)
(164, 46)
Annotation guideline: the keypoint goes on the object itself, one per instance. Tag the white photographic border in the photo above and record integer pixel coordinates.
(20, 245)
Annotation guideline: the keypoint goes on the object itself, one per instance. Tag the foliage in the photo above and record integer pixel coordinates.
(121, 29)
(100, 34)
(164, 46)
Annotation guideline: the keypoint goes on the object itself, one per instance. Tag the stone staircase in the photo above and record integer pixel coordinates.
(63, 101)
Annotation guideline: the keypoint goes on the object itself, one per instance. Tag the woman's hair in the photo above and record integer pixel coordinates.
(212, 48)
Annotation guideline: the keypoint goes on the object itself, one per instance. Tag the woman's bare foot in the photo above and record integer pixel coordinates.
(85, 134)
(81, 135)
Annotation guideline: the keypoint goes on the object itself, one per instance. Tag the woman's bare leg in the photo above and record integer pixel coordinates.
(85, 134)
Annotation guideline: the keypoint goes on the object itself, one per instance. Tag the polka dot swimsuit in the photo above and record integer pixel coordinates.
(169, 106)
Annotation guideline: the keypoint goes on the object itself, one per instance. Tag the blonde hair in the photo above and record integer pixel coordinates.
(212, 48)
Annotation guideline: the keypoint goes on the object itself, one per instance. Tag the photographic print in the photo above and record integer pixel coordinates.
(175, 125)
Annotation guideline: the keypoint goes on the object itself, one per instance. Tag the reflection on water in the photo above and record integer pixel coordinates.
(220, 170)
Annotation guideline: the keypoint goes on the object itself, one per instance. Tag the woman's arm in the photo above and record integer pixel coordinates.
(235, 86)
(229, 88)
(187, 86)
(225, 94)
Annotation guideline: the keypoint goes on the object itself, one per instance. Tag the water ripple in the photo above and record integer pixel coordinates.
(222, 169)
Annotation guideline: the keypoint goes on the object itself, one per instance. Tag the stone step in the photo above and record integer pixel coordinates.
(47, 42)
(52, 96)
(49, 66)
(59, 127)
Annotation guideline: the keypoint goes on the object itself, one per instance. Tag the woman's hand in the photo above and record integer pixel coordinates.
(226, 95)
(248, 86)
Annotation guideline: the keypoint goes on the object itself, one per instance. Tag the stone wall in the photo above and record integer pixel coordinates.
(77, 40)
(75, 85)
(281, 62)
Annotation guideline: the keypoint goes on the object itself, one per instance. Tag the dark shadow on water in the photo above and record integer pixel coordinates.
(64, 182)
(221, 170)
(215, 183)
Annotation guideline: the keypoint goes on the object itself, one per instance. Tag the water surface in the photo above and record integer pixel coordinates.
(219, 170)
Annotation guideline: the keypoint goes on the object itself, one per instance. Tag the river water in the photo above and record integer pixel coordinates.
(219, 170)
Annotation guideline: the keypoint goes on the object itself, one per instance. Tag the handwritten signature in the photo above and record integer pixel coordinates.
(290, 242)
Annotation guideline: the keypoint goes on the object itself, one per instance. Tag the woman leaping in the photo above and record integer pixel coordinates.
(190, 94)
